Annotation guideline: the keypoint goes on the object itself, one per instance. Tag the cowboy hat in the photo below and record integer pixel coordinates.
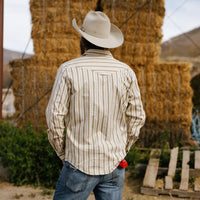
(98, 30)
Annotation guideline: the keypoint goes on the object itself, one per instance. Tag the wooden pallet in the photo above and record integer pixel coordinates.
(149, 183)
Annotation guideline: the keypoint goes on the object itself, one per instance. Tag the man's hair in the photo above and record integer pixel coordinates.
(85, 45)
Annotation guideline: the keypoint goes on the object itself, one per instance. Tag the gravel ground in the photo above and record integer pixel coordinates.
(131, 191)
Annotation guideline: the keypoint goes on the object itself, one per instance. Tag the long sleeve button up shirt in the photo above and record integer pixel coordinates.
(97, 99)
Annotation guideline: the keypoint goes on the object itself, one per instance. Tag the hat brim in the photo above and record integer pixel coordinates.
(114, 40)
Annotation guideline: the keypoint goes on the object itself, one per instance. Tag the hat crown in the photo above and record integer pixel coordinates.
(98, 30)
(96, 24)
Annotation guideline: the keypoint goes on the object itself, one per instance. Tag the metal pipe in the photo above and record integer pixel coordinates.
(1, 54)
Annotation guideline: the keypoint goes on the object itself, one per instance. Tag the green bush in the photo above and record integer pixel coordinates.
(132, 157)
(28, 156)
(135, 156)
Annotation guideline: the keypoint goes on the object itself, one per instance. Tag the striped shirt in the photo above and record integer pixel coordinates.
(97, 99)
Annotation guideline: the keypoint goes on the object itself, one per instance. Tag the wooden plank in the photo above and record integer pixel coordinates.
(164, 170)
(174, 192)
(185, 170)
(168, 183)
(149, 191)
(197, 167)
(173, 161)
(152, 169)
(197, 160)
(172, 168)
(197, 184)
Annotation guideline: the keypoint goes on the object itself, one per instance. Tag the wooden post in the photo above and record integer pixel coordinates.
(1, 55)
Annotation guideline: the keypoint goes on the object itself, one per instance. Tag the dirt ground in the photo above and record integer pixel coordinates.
(131, 191)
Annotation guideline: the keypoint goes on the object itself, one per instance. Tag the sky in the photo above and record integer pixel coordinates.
(181, 16)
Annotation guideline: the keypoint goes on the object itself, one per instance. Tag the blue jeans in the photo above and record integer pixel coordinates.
(76, 185)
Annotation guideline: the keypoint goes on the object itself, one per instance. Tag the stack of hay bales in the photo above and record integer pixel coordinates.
(141, 22)
(169, 103)
(165, 88)
(55, 41)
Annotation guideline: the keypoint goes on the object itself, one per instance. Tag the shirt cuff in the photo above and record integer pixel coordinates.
(130, 142)
(62, 157)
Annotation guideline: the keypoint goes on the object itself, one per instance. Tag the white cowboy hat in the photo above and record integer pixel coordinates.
(98, 30)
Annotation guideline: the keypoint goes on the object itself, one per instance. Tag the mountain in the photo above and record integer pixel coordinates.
(184, 45)
(194, 60)
(183, 48)
(9, 55)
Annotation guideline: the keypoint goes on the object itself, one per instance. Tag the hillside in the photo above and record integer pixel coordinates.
(10, 55)
(195, 62)
(7, 56)
(182, 49)
(184, 45)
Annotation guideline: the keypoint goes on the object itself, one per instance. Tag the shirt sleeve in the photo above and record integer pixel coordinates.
(134, 112)
(56, 111)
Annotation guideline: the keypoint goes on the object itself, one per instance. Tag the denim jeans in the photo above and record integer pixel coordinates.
(76, 185)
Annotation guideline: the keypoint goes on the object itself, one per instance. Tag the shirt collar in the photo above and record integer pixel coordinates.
(97, 52)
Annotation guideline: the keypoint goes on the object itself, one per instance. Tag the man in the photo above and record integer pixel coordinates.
(92, 97)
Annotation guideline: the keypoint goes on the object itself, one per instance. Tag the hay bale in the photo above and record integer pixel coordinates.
(165, 88)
